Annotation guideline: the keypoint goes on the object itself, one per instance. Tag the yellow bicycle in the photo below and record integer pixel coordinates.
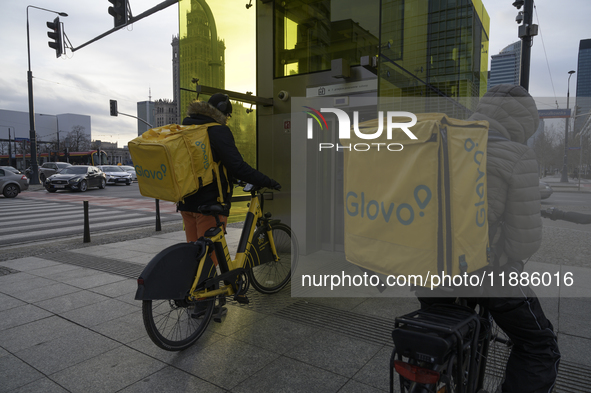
(181, 289)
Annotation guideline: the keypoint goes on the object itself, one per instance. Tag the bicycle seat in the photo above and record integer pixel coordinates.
(210, 210)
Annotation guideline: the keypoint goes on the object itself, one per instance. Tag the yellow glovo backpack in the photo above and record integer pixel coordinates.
(421, 210)
(174, 161)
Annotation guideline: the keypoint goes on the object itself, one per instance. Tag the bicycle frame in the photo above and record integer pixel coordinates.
(228, 268)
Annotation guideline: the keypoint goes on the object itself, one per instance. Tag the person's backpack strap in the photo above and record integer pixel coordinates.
(216, 173)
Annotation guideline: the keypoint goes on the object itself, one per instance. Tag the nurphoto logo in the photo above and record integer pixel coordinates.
(345, 129)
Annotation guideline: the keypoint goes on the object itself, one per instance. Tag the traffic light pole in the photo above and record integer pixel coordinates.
(32, 132)
(526, 43)
(159, 7)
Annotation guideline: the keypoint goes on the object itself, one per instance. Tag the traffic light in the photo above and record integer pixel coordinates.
(57, 37)
(119, 12)
(114, 108)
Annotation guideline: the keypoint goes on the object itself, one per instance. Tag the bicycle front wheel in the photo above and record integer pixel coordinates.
(175, 325)
(271, 276)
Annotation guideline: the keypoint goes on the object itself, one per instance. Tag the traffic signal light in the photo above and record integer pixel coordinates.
(57, 36)
(119, 12)
(114, 108)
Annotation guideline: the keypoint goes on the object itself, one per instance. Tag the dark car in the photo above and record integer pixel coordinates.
(50, 168)
(76, 177)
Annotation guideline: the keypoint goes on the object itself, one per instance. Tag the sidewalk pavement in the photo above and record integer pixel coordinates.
(69, 323)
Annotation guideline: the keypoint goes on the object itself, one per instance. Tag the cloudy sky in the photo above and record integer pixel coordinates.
(130, 63)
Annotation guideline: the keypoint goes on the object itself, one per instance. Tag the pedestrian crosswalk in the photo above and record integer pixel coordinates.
(43, 216)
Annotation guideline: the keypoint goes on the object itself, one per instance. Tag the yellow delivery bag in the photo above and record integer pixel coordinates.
(174, 161)
(418, 206)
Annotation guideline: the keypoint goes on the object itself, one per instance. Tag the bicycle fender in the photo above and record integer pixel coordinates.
(170, 274)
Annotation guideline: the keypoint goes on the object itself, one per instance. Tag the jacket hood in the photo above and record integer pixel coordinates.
(510, 110)
(203, 108)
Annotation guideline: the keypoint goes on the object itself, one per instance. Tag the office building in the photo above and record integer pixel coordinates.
(583, 103)
(506, 66)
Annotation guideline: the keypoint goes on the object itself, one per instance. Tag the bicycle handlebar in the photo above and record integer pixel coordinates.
(556, 214)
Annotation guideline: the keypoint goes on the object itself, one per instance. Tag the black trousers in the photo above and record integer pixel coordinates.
(533, 364)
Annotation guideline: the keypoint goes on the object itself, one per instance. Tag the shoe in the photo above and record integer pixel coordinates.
(199, 310)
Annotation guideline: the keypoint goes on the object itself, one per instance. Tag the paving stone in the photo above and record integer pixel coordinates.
(29, 263)
(124, 329)
(47, 292)
(325, 350)
(117, 289)
(15, 373)
(172, 380)
(65, 351)
(95, 280)
(358, 387)
(110, 372)
(289, 375)
(54, 269)
(32, 283)
(72, 301)
(43, 385)
(236, 319)
(7, 302)
(98, 313)
(276, 334)
(145, 345)
(376, 372)
(21, 315)
(227, 363)
(36, 332)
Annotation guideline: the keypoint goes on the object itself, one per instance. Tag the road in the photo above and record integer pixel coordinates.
(38, 215)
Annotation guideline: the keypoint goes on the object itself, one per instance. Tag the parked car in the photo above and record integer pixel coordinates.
(545, 190)
(131, 170)
(50, 168)
(78, 178)
(11, 169)
(12, 183)
(116, 175)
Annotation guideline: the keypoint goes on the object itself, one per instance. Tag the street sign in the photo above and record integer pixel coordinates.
(554, 113)
(574, 148)
(21, 139)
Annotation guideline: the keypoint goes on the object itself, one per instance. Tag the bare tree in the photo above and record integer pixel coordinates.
(77, 140)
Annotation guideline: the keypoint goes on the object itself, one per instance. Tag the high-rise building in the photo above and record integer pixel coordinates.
(583, 104)
(164, 112)
(506, 66)
(145, 111)
(200, 52)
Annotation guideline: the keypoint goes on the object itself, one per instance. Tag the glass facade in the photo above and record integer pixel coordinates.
(309, 34)
(583, 104)
(216, 46)
(434, 48)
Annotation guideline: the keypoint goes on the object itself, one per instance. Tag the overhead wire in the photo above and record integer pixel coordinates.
(545, 54)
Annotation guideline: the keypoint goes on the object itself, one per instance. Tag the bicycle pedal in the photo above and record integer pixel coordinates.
(220, 314)
(242, 299)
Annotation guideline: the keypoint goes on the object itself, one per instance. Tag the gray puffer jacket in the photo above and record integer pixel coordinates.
(512, 169)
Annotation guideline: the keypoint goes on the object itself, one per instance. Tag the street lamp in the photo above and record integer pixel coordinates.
(32, 136)
(564, 178)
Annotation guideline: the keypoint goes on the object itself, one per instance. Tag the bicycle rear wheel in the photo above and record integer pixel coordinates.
(175, 325)
(272, 276)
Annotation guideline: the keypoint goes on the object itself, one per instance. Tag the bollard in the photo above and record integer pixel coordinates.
(86, 224)
(158, 227)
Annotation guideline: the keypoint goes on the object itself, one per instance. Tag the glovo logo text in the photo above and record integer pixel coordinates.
(345, 129)
(151, 174)
(480, 189)
(371, 209)
(203, 148)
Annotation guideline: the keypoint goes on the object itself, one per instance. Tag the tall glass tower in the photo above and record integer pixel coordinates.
(583, 84)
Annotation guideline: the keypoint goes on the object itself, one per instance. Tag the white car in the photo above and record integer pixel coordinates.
(116, 175)
(131, 170)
